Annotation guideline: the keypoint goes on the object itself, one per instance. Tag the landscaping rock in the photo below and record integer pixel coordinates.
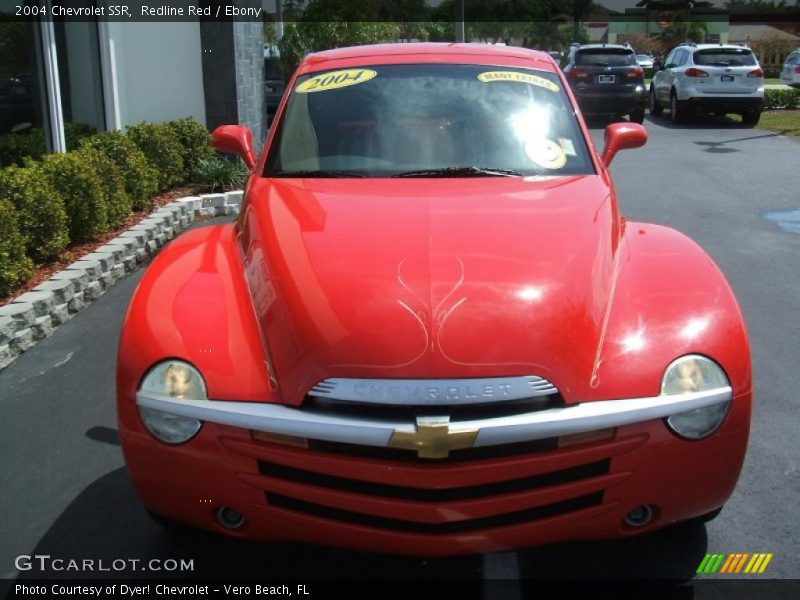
(42, 302)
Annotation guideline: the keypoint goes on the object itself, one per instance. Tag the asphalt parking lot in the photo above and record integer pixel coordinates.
(65, 491)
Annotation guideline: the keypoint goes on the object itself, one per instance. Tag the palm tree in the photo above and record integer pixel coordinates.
(681, 30)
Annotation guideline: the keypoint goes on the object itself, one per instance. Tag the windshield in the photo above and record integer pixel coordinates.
(732, 57)
(428, 120)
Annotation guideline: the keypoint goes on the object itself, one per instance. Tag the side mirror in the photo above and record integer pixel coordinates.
(620, 136)
(236, 139)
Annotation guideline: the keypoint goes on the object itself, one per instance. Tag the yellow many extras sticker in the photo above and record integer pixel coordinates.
(489, 76)
(333, 80)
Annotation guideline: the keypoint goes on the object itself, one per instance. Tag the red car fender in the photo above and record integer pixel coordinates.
(193, 304)
(669, 299)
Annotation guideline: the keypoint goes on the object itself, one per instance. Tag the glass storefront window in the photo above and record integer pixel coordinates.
(78, 53)
(22, 107)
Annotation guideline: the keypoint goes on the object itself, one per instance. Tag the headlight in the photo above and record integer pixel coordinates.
(176, 379)
(694, 373)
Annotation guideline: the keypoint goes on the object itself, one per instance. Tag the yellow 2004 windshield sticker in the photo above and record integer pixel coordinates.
(489, 76)
(333, 80)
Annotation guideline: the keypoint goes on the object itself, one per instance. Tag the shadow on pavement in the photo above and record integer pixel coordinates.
(107, 521)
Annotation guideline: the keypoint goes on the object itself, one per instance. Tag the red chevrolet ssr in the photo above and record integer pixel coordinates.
(430, 330)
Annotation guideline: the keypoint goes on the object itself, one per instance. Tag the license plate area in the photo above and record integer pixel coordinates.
(726, 78)
(605, 78)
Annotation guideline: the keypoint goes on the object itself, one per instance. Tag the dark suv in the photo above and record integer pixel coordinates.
(607, 80)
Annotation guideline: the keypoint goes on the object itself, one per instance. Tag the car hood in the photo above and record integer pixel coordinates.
(430, 278)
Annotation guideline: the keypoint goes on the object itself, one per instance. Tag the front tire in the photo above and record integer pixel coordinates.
(637, 116)
(167, 524)
(655, 108)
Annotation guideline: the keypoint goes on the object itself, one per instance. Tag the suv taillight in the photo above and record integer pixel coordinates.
(636, 72)
(693, 72)
(797, 69)
(756, 73)
(576, 73)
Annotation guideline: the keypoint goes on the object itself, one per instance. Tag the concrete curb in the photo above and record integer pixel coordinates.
(36, 314)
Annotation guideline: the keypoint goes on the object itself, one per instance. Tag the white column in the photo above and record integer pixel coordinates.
(52, 85)
(109, 74)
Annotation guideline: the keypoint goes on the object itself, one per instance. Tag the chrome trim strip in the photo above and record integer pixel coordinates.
(433, 392)
(589, 416)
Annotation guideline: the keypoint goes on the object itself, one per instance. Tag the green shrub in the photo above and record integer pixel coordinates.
(163, 149)
(74, 133)
(778, 98)
(16, 147)
(141, 178)
(118, 203)
(82, 191)
(218, 174)
(14, 265)
(40, 210)
(196, 142)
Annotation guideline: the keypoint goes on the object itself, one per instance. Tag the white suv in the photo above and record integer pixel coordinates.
(714, 78)
(790, 75)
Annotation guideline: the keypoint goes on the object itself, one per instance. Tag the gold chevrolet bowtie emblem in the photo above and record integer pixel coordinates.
(433, 438)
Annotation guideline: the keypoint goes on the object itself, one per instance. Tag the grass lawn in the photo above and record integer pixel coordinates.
(786, 122)
(773, 81)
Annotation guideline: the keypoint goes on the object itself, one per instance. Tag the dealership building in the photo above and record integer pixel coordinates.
(108, 73)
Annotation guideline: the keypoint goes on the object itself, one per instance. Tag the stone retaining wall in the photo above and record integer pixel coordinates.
(36, 314)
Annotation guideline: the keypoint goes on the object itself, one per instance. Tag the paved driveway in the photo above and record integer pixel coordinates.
(65, 491)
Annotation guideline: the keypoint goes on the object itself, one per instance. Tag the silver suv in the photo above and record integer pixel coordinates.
(790, 75)
(714, 78)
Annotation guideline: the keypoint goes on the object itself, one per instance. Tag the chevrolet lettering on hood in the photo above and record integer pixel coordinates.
(431, 331)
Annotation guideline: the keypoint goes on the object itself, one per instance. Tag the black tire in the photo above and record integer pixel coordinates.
(676, 113)
(750, 119)
(168, 524)
(637, 116)
(655, 108)
(709, 516)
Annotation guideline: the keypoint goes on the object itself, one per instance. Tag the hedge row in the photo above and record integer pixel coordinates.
(780, 98)
(48, 201)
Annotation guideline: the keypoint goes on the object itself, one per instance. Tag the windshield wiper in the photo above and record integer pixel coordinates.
(315, 173)
(461, 172)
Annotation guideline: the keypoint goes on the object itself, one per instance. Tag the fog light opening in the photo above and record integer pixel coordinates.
(230, 518)
(639, 516)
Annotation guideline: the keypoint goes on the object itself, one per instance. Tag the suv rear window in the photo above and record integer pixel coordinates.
(605, 57)
(725, 57)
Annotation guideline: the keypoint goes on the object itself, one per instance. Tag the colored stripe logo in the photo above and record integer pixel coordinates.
(738, 562)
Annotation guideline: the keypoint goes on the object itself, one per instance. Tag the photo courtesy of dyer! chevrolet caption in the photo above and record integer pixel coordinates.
(430, 331)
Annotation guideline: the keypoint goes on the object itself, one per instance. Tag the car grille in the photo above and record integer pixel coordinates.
(437, 497)
(471, 490)
(513, 518)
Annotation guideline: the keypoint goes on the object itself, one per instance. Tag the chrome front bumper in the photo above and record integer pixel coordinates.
(542, 424)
